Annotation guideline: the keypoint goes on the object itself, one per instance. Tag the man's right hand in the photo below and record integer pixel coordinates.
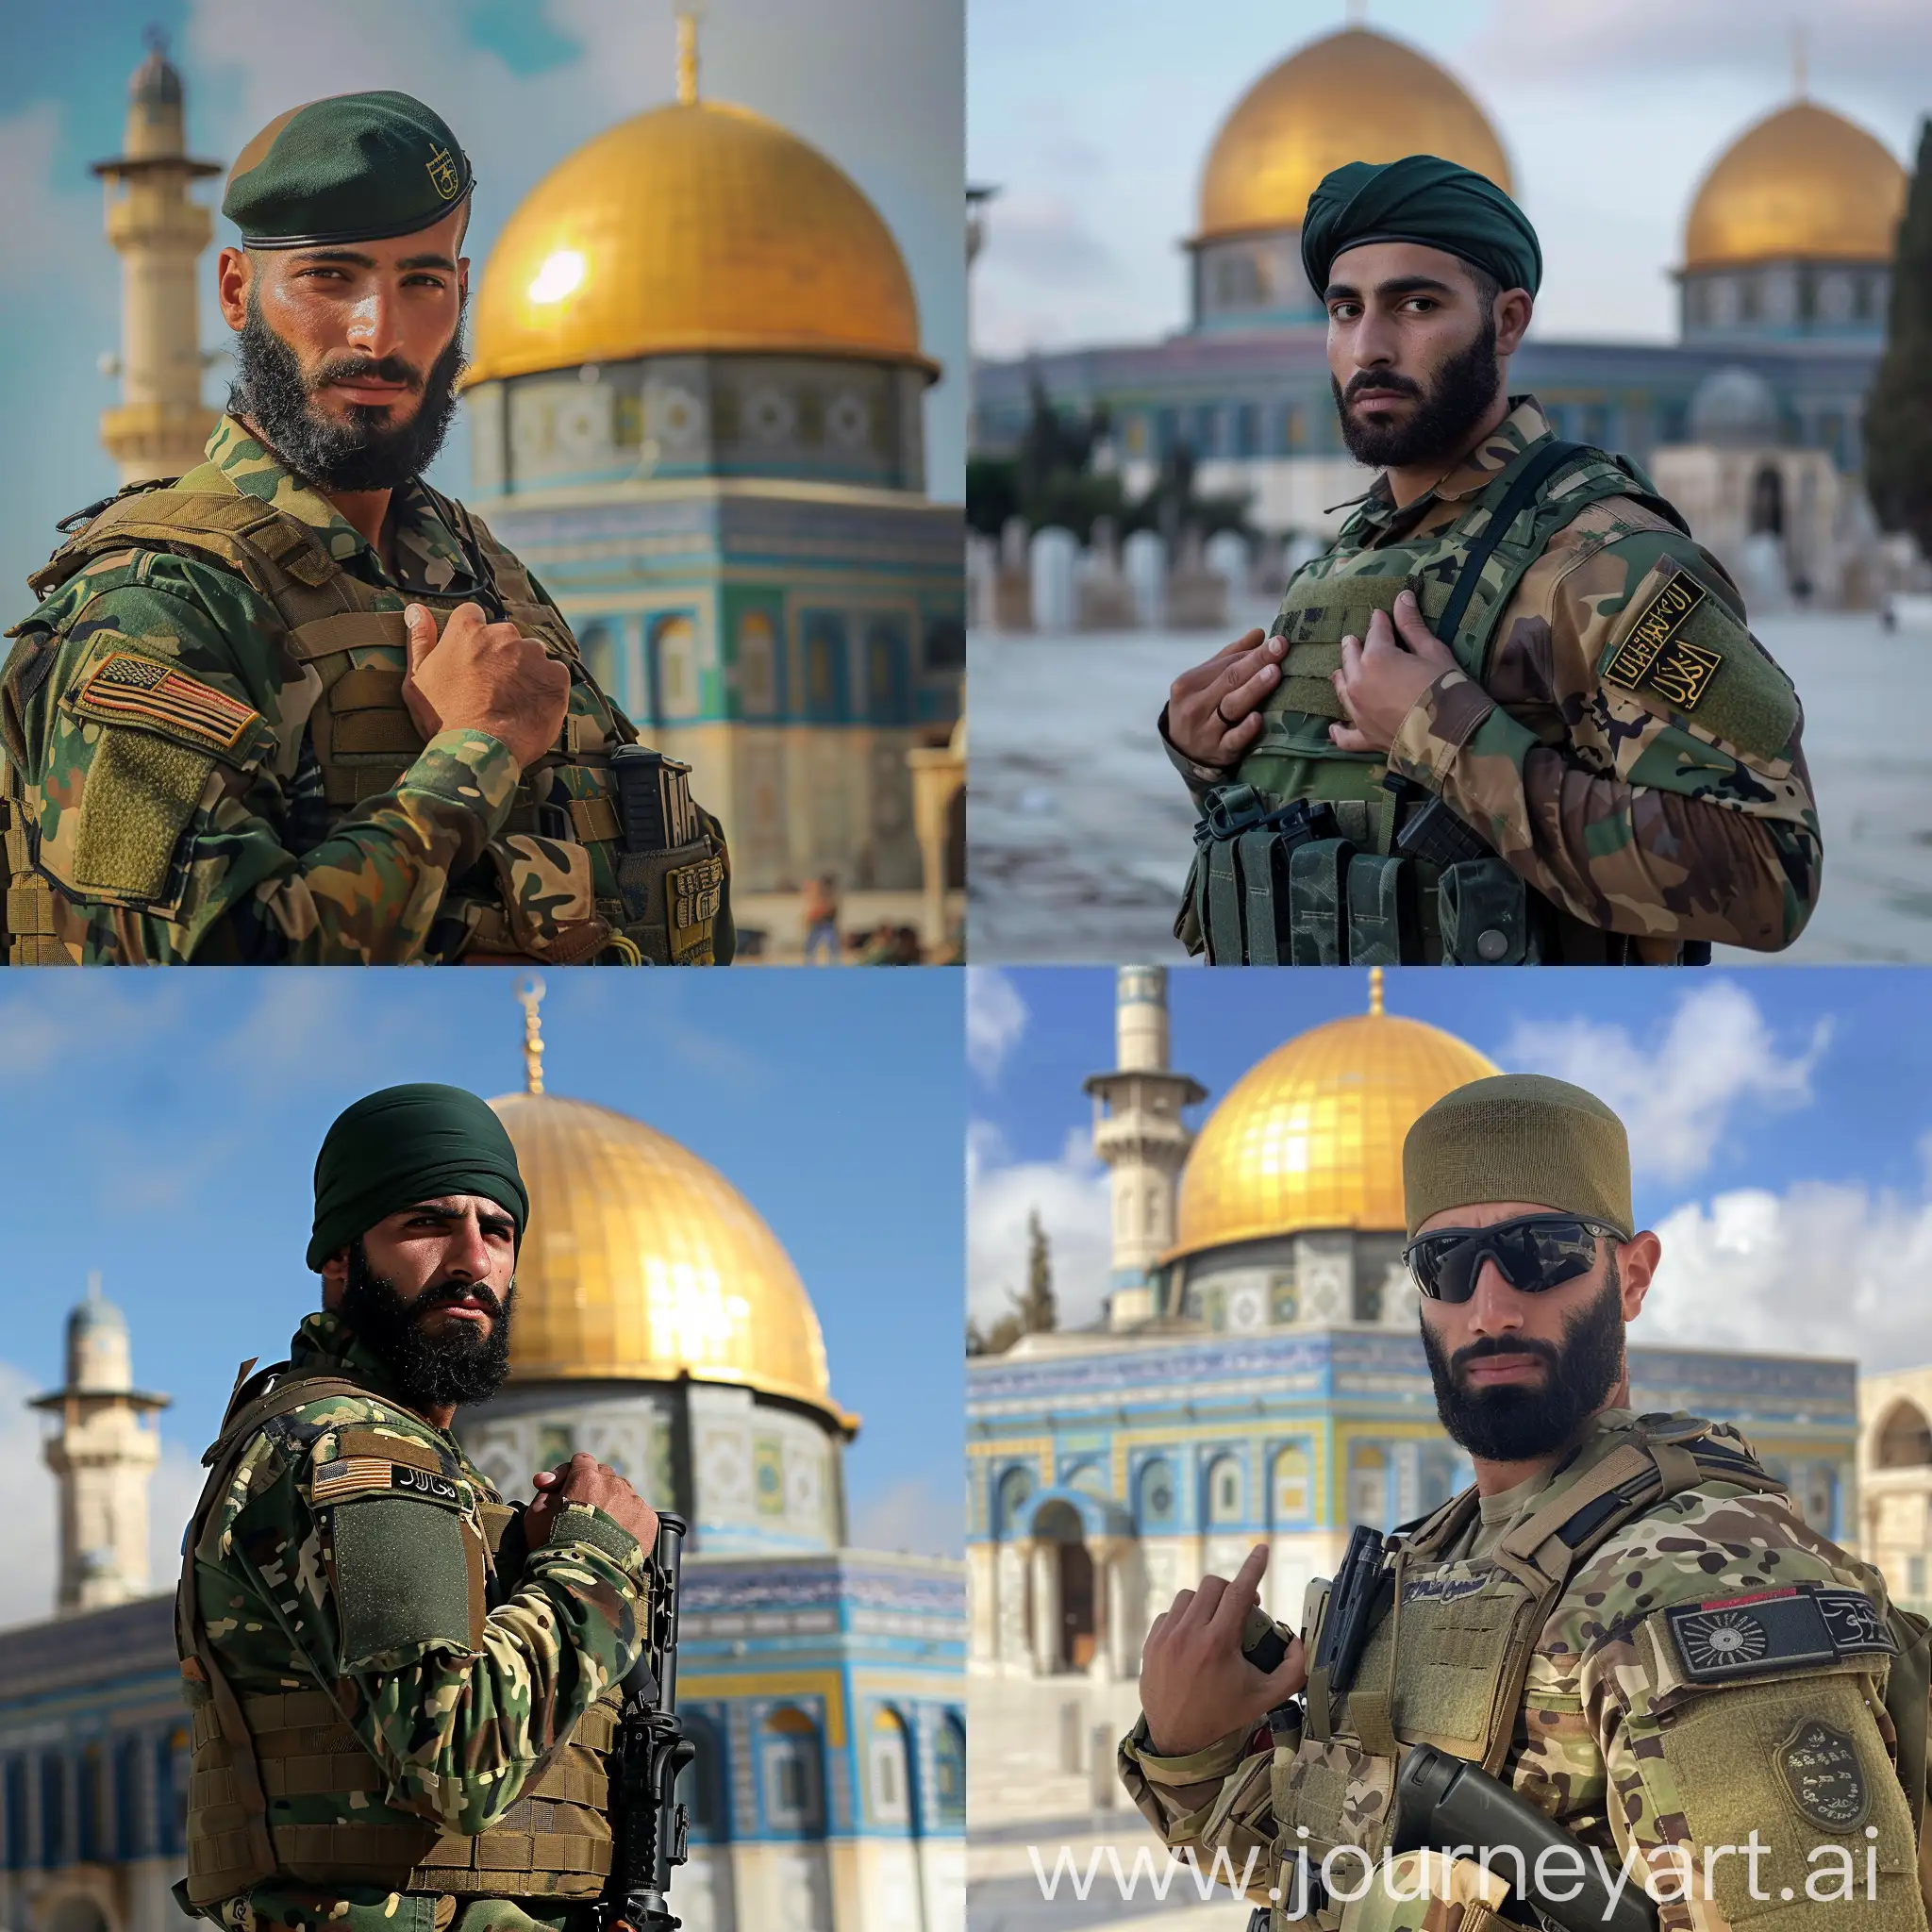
(1195, 1684)
(1214, 711)
(482, 676)
(584, 1479)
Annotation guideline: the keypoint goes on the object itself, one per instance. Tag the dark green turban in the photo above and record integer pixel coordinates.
(351, 168)
(1518, 1137)
(1422, 199)
(406, 1144)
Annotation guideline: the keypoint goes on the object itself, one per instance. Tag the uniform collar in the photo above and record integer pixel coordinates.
(325, 1344)
(429, 557)
(1470, 476)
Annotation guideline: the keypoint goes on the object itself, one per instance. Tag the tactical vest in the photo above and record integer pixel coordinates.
(593, 791)
(1309, 855)
(553, 1841)
(1448, 1663)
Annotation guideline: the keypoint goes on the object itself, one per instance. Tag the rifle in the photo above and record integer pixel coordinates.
(649, 1825)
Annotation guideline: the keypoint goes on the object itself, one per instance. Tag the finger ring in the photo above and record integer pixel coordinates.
(1227, 723)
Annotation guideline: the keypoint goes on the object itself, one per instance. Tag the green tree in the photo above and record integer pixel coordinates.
(1898, 411)
(1032, 1313)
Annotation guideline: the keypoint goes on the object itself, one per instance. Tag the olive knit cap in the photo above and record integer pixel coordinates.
(406, 1144)
(1518, 1137)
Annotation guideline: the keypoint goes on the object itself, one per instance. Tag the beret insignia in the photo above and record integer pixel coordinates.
(443, 175)
(124, 688)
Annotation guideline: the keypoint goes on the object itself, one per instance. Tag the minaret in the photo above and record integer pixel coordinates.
(102, 1456)
(160, 423)
(1137, 1131)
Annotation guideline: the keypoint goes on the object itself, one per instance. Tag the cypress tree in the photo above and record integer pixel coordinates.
(1898, 410)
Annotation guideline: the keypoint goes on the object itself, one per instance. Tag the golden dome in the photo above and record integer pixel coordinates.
(1312, 1138)
(1802, 182)
(1353, 96)
(693, 228)
(643, 1262)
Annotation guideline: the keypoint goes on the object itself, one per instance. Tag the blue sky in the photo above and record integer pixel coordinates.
(874, 83)
(1780, 1122)
(162, 1130)
(1094, 118)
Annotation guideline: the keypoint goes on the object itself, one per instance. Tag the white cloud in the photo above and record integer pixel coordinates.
(918, 1517)
(995, 1020)
(1677, 1094)
(1071, 1195)
(1825, 1268)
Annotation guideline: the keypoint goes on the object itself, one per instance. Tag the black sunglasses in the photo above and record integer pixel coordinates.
(1533, 1253)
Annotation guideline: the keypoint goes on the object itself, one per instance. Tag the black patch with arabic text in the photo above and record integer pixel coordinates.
(1760, 1631)
(1655, 654)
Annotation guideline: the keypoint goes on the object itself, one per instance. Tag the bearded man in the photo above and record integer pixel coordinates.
(402, 1690)
(1625, 1617)
(1512, 713)
(299, 707)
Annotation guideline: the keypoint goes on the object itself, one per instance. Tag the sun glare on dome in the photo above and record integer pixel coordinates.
(560, 276)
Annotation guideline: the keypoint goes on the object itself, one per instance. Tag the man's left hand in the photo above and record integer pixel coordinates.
(1381, 679)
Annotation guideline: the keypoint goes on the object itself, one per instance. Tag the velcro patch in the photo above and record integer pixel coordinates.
(694, 892)
(1775, 1630)
(349, 1478)
(1653, 653)
(1818, 1765)
(124, 688)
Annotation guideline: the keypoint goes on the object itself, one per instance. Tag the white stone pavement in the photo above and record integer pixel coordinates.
(1079, 828)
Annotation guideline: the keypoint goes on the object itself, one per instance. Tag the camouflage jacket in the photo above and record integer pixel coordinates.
(1604, 795)
(457, 1727)
(1619, 1735)
(264, 871)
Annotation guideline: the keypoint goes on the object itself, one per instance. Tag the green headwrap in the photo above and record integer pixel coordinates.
(406, 1144)
(1518, 1137)
(1419, 198)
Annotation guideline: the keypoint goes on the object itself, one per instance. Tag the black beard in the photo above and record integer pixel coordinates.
(428, 1371)
(1516, 1423)
(1441, 426)
(365, 452)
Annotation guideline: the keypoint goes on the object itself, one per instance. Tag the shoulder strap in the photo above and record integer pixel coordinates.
(1541, 462)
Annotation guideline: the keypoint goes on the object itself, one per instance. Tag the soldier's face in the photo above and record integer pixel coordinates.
(366, 323)
(452, 1256)
(1415, 350)
(1517, 1373)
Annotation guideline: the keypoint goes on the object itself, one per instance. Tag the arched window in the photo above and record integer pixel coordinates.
(597, 640)
(13, 1803)
(1015, 1487)
(889, 1769)
(793, 1783)
(1905, 1440)
(1157, 1494)
(675, 667)
(757, 665)
(1368, 1486)
(1290, 1488)
(888, 672)
(825, 667)
(1224, 1491)
(703, 1783)
(949, 1771)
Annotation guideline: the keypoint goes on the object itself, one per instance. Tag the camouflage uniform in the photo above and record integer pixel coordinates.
(462, 1676)
(1657, 792)
(174, 686)
(1612, 1734)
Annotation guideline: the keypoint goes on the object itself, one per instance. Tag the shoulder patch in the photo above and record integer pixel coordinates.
(125, 689)
(349, 1478)
(1818, 1765)
(1762, 1631)
(1655, 652)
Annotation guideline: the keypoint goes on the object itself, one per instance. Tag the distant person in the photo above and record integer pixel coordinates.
(298, 706)
(821, 903)
(1513, 713)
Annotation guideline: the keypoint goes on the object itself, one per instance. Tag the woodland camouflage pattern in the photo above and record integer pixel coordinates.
(1630, 815)
(456, 1735)
(272, 872)
(1606, 1732)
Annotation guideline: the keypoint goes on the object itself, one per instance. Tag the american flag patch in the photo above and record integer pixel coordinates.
(351, 1475)
(124, 688)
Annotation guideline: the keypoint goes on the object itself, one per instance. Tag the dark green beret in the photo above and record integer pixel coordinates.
(1419, 198)
(352, 168)
(406, 1144)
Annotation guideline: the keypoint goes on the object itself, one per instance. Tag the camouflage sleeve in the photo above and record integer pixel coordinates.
(1200, 779)
(1637, 755)
(1742, 1776)
(1216, 1803)
(162, 769)
(458, 1718)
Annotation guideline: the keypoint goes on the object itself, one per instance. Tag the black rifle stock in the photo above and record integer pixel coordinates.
(648, 1823)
